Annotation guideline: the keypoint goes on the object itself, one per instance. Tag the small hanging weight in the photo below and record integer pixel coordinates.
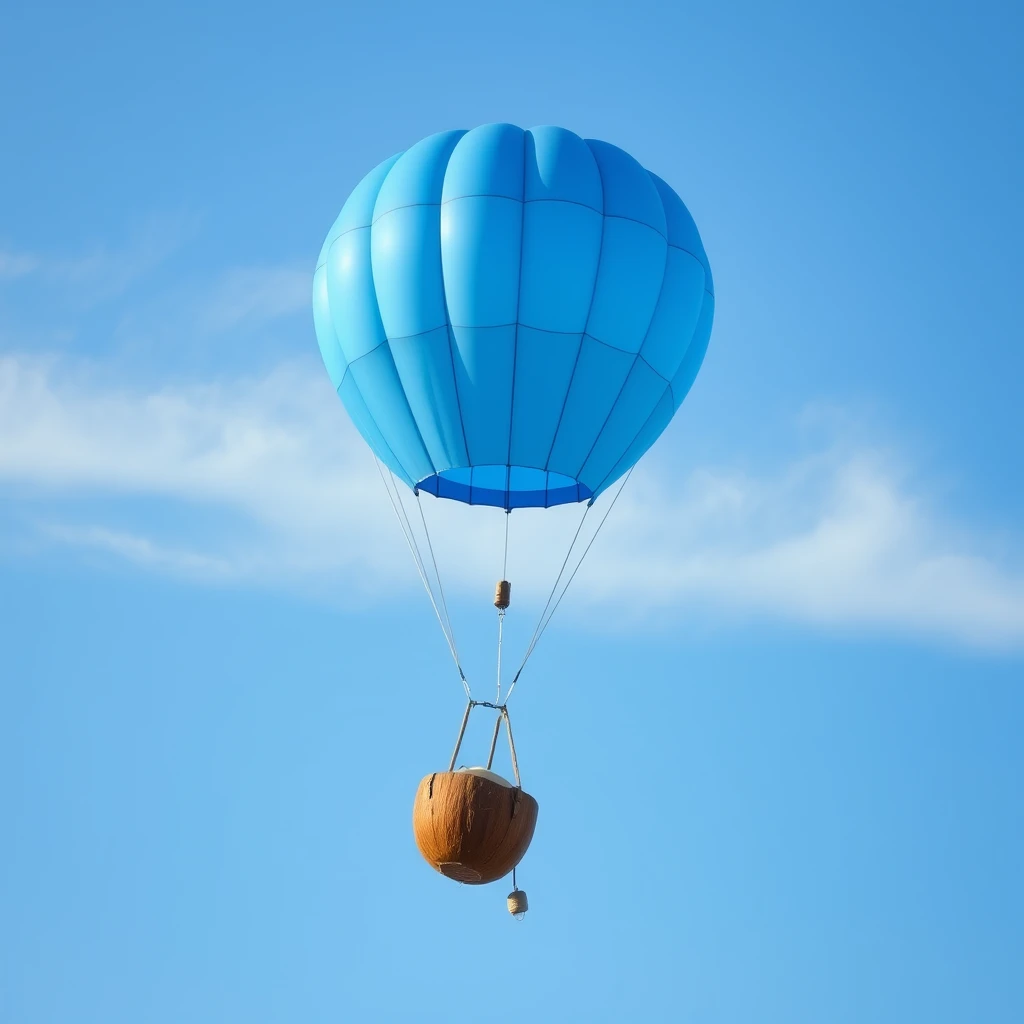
(517, 904)
(502, 594)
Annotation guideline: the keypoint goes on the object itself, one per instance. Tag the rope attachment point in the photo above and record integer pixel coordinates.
(502, 716)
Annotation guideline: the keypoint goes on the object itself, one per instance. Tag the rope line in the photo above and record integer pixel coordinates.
(410, 538)
(543, 624)
(582, 557)
(501, 623)
(394, 495)
(403, 525)
(504, 564)
(437, 573)
(443, 615)
(501, 611)
(558, 579)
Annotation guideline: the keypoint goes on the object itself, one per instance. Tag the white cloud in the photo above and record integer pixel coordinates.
(104, 272)
(290, 494)
(260, 293)
(16, 264)
(142, 551)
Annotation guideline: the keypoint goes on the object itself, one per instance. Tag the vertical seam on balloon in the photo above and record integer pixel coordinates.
(451, 330)
(330, 319)
(455, 382)
(610, 476)
(515, 337)
(447, 314)
(586, 323)
(406, 475)
(387, 344)
(669, 391)
(356, 227)
(692, 336)
(632, 366)
(355, 384)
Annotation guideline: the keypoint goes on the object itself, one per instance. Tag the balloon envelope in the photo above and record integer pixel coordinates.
(512, 317)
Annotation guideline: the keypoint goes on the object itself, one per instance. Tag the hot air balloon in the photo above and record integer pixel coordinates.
(511, 319)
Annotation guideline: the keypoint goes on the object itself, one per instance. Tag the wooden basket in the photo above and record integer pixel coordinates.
(471, 828)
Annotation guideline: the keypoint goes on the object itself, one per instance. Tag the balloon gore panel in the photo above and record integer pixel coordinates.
(511, 317)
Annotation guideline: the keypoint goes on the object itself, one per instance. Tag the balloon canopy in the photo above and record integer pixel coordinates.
(512, 317)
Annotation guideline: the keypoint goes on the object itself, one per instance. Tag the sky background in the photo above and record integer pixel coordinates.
(775, 729)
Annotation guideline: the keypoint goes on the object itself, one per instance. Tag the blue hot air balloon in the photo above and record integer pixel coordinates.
(512, 317)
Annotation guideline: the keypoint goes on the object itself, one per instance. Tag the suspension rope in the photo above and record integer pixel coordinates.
(504, 564)
(558, 579)
(395, 496)
(501, 611)
(440, 587)
(410, 539)
(501, 624)
(580, 562)
(502, 710)
(543, 624)
(406, 532)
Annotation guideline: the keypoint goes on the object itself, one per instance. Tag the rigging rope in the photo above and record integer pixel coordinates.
(437, 573)
(542, 625)
(410, 539)
(558, 579)
(501, 625)
(442, 613)
(501, 611)
(504, 564)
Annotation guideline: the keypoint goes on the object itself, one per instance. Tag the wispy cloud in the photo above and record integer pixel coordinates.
(261, 293)
(138, 302)
(839, 538)
(274, 455)
(107, 271)
(142, 551)
(16, 264)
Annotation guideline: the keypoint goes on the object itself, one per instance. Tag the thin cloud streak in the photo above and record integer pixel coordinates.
(838, 539)
(256, 293)
(105, 272)
(142, 551)
(16, 264)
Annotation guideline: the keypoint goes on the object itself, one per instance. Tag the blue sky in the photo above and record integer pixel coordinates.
(775, 728)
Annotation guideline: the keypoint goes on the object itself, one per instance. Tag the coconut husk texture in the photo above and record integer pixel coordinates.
(470, 828)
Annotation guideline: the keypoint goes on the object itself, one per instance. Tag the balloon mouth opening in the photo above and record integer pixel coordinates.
(506, 487)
